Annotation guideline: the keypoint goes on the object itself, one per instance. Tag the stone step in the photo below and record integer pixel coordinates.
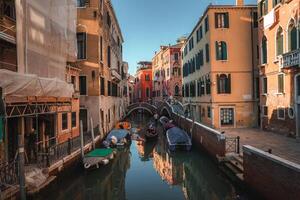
(237, 164)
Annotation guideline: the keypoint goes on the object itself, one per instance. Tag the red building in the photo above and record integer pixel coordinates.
(143, 82)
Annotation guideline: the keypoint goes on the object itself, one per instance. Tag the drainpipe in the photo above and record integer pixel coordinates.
(252, 62)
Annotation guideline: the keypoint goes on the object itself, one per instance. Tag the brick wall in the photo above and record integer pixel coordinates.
(271, 176)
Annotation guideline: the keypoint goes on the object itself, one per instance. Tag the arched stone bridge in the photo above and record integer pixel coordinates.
(162, 108)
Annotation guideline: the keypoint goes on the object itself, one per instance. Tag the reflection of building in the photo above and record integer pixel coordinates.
(279, 44)
(166, 72)
(214, 64)
(169, 168)
(131, 88)
(143, 82)
(99, 56)
(40, 104)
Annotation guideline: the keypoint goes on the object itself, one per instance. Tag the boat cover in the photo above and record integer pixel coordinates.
(100, 153)
(118, 133)
(177, 136)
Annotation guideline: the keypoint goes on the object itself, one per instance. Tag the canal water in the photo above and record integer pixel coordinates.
(146, 172)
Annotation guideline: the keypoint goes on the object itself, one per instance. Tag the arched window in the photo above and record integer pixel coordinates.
(292, 36)
(176, 90)
(264, 50)
(279, 41)
(224, 83)
(221, 50)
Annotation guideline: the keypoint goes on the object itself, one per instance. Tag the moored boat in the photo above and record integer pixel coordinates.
(123, 125)
(98, 157)
(117, 138)
(151, 133)
(178, 138)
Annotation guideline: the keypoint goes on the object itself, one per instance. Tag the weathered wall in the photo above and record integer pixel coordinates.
(271, 176)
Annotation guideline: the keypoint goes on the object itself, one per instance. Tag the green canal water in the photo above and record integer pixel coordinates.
(146, 172)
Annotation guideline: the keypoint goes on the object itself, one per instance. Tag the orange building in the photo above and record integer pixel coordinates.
(167, 76)
(219, 67)
(279, 45)
(143, 82)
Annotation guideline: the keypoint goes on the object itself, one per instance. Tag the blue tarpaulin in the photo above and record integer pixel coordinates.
(177, 136)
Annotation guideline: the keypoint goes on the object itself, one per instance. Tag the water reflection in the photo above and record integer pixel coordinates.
(146, 171)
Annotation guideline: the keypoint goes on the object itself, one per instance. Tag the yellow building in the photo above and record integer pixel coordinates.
(99, 41)
(279, 44)
(219, 67)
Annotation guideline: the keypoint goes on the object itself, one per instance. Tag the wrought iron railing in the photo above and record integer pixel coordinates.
(8, 174)
(233, 144)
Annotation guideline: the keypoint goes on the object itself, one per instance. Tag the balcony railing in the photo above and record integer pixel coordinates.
(291, 59)
(115, 74)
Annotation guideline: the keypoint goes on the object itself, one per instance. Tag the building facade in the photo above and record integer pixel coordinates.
(218, 71)
(41, 105)
(143, 82)
(99, 41)
(166, 72)
(279, 45)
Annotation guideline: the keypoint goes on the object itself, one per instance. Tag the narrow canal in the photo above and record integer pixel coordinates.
(146, 172)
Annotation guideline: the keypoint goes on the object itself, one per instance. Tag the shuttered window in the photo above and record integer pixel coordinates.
(264, 50)
(222, 20)
(280, 83)
(221, 50)
(206, 24)
(207, 52)
(82, 85)
(224, 84)
(279, 41)
(102, 90)
(207, 85)
(108, 88)
(81, 45)
(292, 38)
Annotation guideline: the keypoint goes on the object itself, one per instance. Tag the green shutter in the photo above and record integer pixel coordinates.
(228, 85)
(218, 83)
(217, 51)
(226, 20)
(216, 20)
(224, 51)
(293, 39)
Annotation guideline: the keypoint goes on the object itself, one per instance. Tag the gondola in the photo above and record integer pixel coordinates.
(151, 133)
(98, 157)
(166, 123)
(178, 139)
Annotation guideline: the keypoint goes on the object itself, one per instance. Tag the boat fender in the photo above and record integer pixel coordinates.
(111, 156)
(87, 165)
(105, 161)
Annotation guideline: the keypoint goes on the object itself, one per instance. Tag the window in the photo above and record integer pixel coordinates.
(101, 48)
(108, 88)
(265, 85)
(280, 83)
(64, 121)
(191, 43)
(147, 77)
(82, 85)
(9, 9)
(207, 52)
(255, 20)
(207, 84)
(265, 111)
(208, 112)
(263, 7)
(192, 89)
(281, 113)
(264, 50)
(102, 85)
(182, 89)
(114, 90)
(147, 92)
(292, 37)
(275, 2)
(227, 116)
(279, 41)
(222, 20)
(81, 45)
(108, 56)
(176, 90)
(74, 119)
(80, 3)
(199, 34)
(108, 115)
(221, 50)
(206, 24)
(291, 112)
(298, 86)
(176, 56)
(187, 90)
(73, 81)
(224, 84)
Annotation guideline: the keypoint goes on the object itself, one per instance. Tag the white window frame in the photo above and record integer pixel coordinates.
(280, 118)
(289, 114)
(283, 83)
(263, 87)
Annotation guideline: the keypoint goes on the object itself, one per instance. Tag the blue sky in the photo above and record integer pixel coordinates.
(147, 24)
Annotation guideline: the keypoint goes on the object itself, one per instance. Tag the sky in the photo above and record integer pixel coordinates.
(148, 24)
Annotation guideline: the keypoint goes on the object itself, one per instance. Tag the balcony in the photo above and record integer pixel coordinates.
(291, 59)
(8, 29)
(115, 75)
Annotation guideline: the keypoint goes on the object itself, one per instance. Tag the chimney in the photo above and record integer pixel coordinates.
(239, 2)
